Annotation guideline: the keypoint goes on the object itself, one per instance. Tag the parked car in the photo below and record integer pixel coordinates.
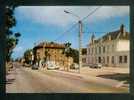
(57, 66)
(35, 67)
(98, 65)
(74, 66)
(51, 65)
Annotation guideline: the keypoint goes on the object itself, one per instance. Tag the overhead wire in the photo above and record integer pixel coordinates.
(74, 25)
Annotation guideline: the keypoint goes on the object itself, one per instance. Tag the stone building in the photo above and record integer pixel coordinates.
(111, 49)
(50, 51)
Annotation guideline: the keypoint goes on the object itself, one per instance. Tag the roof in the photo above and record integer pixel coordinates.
(118, 34)
(50, 45)
(54, 45)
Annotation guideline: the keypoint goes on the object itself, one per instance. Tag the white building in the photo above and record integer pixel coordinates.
(110, 50)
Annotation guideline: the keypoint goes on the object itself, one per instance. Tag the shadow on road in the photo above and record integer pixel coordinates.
(118, 76)
(10, 81)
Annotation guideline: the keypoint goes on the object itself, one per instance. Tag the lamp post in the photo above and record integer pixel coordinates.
(80, 36)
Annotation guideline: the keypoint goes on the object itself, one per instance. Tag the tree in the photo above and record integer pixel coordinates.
(70, 52)
(17, 35)
(11, 42)
(74, 53)
(11, 38)
(27, 56)
(67, 49)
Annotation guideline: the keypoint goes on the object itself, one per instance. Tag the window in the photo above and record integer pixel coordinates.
(120, 59)
(125, 59)
(103, 59)
(92, 50)
(99, 59)
(89, 51)
(112, 47)
(99, 50)
(112, 59)
(107, 48)
(96, 50)
(103, 49)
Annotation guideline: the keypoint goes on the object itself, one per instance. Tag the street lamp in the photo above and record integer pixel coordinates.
(80, 36)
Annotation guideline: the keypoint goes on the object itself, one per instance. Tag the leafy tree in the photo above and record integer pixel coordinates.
(67, 49)
(17, 35)
(27, 56)
(75, 55)
(70, 52)
(11, 38)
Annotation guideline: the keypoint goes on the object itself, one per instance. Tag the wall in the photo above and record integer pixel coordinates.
(122, 45)
(113, 48)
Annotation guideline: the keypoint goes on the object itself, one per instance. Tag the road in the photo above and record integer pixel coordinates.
(26, 80)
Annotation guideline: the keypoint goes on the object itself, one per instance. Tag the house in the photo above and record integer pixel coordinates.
(112, 49)
(53, 52)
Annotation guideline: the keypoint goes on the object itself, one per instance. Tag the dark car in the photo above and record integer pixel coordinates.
(74, 66)
(35, 67)
(98, 65)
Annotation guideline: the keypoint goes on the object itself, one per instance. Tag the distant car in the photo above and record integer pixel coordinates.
(74, 66)
(35, 67)
(98, 65)
(51, 65)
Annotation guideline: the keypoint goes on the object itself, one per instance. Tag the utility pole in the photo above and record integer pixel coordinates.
(80, 44)
(80, 36)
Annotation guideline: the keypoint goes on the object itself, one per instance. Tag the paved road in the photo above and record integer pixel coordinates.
(26, 80)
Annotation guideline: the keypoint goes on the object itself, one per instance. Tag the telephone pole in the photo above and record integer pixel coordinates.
(80, 44)
(80, 37)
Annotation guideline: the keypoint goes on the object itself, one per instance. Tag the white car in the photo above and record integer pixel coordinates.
(51, 65)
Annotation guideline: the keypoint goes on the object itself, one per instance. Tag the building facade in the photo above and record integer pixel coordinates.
(111, 49)
(50, 51)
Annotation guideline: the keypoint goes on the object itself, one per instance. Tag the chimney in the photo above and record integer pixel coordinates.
(122, 30)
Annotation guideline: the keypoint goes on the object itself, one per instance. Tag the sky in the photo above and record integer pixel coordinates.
(50, 23)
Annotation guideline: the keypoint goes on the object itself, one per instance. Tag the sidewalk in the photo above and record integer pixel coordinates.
(90, 74)
(88, 77)
(10, 75)
(104, 70)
